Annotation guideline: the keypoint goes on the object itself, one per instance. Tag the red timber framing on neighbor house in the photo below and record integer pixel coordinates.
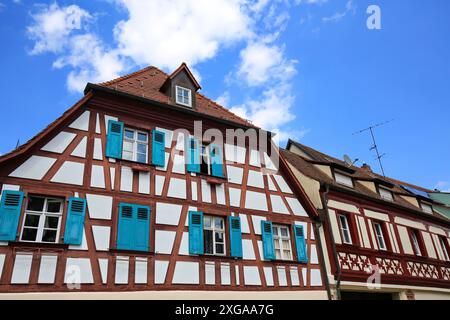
(110, 197)
(375, 225)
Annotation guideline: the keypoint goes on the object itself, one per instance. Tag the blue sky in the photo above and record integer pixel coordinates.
(308, 69)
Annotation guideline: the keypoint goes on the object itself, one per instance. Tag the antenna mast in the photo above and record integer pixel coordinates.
(375, 146)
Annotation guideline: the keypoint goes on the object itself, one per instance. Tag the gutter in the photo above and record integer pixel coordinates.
(325, 217)
(322, 256)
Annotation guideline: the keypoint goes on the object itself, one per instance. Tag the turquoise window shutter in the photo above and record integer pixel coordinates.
(193, 155)
(75, 221)
(300, 244)
(216, 160)
(158, 148)
(114, 139)
(10, 208)
(196, 245)
(125, 227)
(267, 239)
(141, 228)
(235, 236)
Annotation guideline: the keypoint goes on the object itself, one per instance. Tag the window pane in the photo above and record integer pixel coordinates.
(278, 254)
(128, 146)
(32, 220)
(141, 157)
(127, 155)
(207, 222)
(219, 248)
(29, 234)
(218, 223)
(51, 222)
(284, 232)
(287, 255)
(275, 230)
(49, 236)
(36, 204)
(53, 206)
(142, 136)
(286, 244)
(208, 235)
(129, 134)
(277, 244)
(219, 237)
(142, 148)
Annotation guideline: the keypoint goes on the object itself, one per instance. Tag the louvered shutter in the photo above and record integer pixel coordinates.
(114, 139)
(300, 244)
(125, 227)
(193, 155)
(158, 148)
(235, 236)
(10, 208)
(216, 160)
(75, 221)
(267, 239)
(196, 245)
(141, 228)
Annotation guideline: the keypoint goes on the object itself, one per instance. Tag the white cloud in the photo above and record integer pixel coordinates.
(224, 99)
(53, 25)
(338, 16)
(90, 62)
(165, 33)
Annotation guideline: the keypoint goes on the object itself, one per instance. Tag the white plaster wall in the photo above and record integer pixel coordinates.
(244, 224)
(80, 149)
(144, 182)
(282, 280)
(284, 187)
(295, 280)
(82, 122)
(404, 238)
(256, 201)
(97, 177)
(235, 174)
(70, 173)
(177, 188)
(47, 269)
(316, 278)
(210, 273)
(122, 269)
(235, 197)
(184, 245)
(60, 142)
(268, 274)
(101, 237)
(78, 270)
(159, 184)
(186, 273)
(255, 179)
(255, 160)
(194, 191)
(168, 214)
(22, 268)
(278, 205)
(247, 249)
(99, 207)
(164, 241)
(235, 153)
(98, 150)
(161, 271)
(252, 276)
(296, 207)
(256, 221)
(34, 168)
(103, 263)
(220, 194)
(206, 191)
(179, 164)
(140, 271)
(126, 179)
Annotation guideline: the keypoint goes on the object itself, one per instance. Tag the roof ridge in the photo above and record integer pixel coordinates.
(130, 75)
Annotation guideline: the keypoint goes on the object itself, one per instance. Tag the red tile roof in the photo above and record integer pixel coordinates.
(147, 82)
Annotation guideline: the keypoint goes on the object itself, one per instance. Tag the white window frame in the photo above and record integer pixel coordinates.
(444, 248)
(135, 143)
(215, 230)
(380, 235)
(42, 217)
(416, 244)
(386, 194)
(343, 179)
(178, 101)
(278, 239)
(426, 207)
(345, 229)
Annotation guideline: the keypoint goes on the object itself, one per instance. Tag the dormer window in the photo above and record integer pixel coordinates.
(426, 207)
(386, 194)
(343, 179)
(183, 96)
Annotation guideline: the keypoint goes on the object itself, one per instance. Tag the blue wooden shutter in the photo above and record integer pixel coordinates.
(114, 139)
(235, 236)
(125, 226)
(10, 208)
(141, 228)
(193, 155)
(75, 221)
(158, 148)
(267, 239)
(196, 245)
(216, 160)
(300, 244)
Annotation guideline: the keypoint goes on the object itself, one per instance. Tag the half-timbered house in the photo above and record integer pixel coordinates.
(122, 195)
(382, 238)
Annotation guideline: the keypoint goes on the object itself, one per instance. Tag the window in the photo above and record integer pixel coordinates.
(380, 235)
(345, 229)
(444, 247)
(135, 145)
(183, 96)
(282, 242)
(42, 220)
(386, 194)
(416, 243)
(427, 208)
(214, 235)
(343, 179)
(205, 160)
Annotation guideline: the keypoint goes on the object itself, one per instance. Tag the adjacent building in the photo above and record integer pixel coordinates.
(131, 191)
(382, 238)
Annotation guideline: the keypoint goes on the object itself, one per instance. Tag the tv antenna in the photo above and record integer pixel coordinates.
(375, 146)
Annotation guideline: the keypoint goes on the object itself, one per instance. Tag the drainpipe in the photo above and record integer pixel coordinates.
(325, 216)
(317, 225)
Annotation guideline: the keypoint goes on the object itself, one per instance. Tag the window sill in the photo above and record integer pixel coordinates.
(136, 166)
(127, 251)
(38, 245)
(213, 179)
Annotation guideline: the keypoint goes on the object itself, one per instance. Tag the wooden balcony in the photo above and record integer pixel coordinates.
(358, 264)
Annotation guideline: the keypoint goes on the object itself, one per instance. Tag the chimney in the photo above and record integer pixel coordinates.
(366, 167)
